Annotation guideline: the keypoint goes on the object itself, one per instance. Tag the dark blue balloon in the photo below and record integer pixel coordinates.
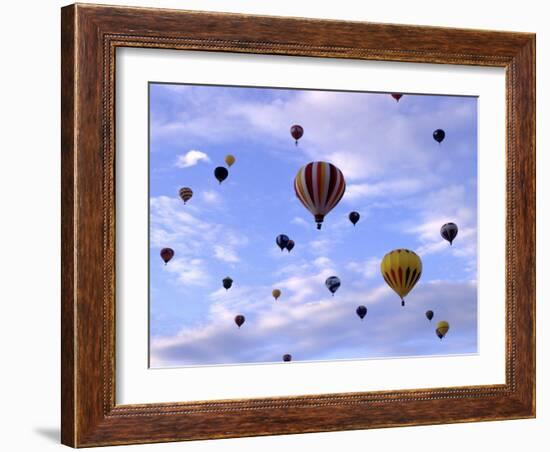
(439, 135)
(333, 283)
(361, 311)
(354, 217)
(282, 241)
(221, 173)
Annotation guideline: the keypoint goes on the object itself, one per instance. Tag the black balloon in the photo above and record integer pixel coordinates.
(354, 217)
(361, 311)
(227, 282)
(287, 358)
(282, 241)
(429, 315)
(290, 245)
(239, 320)
(439, 135)
(449, 232)
(221, 173)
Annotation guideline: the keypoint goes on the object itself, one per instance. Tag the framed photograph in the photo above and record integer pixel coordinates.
(282, 225)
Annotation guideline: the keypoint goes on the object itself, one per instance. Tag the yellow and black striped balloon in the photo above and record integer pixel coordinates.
(401, 269)
(185, 194)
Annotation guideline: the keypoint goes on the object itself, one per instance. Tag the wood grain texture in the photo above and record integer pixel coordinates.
(90, 36)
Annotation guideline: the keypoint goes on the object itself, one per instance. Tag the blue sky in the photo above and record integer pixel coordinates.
(402, 182)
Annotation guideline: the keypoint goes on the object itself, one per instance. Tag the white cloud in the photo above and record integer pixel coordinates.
(385, 189)
(368, 269)
(191, 272)
(225, 254)
(191, 158)
(178, 226)
(300, 222)
(310, 328)
(211, 197)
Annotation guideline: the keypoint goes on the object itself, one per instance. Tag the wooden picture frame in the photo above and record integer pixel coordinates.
(90, 36)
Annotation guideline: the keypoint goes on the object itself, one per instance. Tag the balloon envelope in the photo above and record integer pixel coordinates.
(401, 269)
(282, 241)
(290, 245)
(296, 131)
(276, 293)
(439, 135)
(397, 96)
(227, 282)
(166, 254)
(287, 358)
(239, 320)
(185, 194)
(333, 283)
(221, 173)
(354, 217)
(429, 315)
(229, 159)
(442, 328)
(361, 312)
(319, 186)
(449, 231)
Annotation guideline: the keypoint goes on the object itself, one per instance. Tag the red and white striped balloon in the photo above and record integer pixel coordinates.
(319, 186)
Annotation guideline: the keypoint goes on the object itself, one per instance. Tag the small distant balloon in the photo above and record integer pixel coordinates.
(185, 194)
(166, 254)
(429, 315)
(227, 282)
(397, 96)
(442, 328)
(449, 232)
(290, 245)
(221, 173)
(354, 217)
(333, 283)
(229, 159)
(439, 135)
(239, 320)
(361, 312)
(287, 358)
(276, 294)
(282, 241)
(296, 131)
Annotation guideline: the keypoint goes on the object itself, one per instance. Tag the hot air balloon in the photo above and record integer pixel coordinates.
(296, 131)
(442, 328)
(276, 294)
(186, 194)
(287, 358)
(429, 315)
(332, 283)
(361, 312)
(401, 269)
(397, 96)
(319, 186)
(239, 320)
(449, 232)
(354, 217)
(166, 254)
(282, 241)
(221, 173)
(290, 245)
(439, 135)
(227, 282)
(229, 160)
